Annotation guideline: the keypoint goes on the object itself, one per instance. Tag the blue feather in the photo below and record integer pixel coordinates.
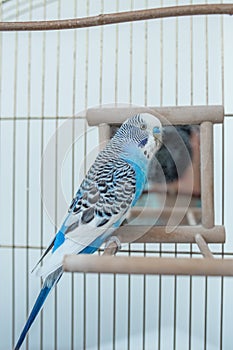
(143, 142)
(48, 284)
(90, 249)
(60, 238)
(36, 308)
(140, 179)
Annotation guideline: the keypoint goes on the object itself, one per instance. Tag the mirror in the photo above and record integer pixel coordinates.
(172, 195)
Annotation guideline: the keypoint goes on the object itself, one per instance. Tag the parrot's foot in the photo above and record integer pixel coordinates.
(113, 239)
(112, 245)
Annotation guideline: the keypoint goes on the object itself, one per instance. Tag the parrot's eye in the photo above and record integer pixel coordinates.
(143, 126)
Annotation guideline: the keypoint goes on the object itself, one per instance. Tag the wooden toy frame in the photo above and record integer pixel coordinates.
(207, 232)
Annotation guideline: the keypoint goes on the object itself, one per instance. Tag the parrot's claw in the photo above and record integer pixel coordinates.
(113, 239)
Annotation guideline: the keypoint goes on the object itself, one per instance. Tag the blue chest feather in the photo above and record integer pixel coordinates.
(140, 179)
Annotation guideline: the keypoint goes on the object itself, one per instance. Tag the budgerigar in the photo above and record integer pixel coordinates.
(111, 187)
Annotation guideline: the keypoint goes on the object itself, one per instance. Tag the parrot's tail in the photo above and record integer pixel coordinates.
(47, 286)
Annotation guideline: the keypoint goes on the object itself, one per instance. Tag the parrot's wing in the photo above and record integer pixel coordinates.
(97, 210)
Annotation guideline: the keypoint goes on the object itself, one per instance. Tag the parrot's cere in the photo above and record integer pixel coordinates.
(111, 187)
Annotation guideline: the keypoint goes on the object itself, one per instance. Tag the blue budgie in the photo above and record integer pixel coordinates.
(111, 187)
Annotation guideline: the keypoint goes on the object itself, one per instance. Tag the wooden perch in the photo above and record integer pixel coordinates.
(169, 234)
(148, 265)
(121, 17)
(173, 115)
(154, 212)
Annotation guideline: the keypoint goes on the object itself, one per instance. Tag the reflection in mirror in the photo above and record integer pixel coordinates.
(172, 194)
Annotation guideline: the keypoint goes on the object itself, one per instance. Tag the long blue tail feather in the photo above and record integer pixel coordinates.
(49, 283)
(36, 308)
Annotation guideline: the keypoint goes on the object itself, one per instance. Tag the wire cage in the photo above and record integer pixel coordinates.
(49, 81)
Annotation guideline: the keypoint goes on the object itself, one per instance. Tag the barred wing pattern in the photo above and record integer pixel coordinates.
(99, 207)
(107, 191)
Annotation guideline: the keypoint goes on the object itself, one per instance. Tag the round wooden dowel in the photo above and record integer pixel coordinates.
(174, 115)
(145, 265)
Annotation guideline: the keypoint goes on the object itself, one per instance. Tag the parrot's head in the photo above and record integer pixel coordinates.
(146, 133)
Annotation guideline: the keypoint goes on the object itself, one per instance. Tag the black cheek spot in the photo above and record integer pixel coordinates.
(145, 152)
